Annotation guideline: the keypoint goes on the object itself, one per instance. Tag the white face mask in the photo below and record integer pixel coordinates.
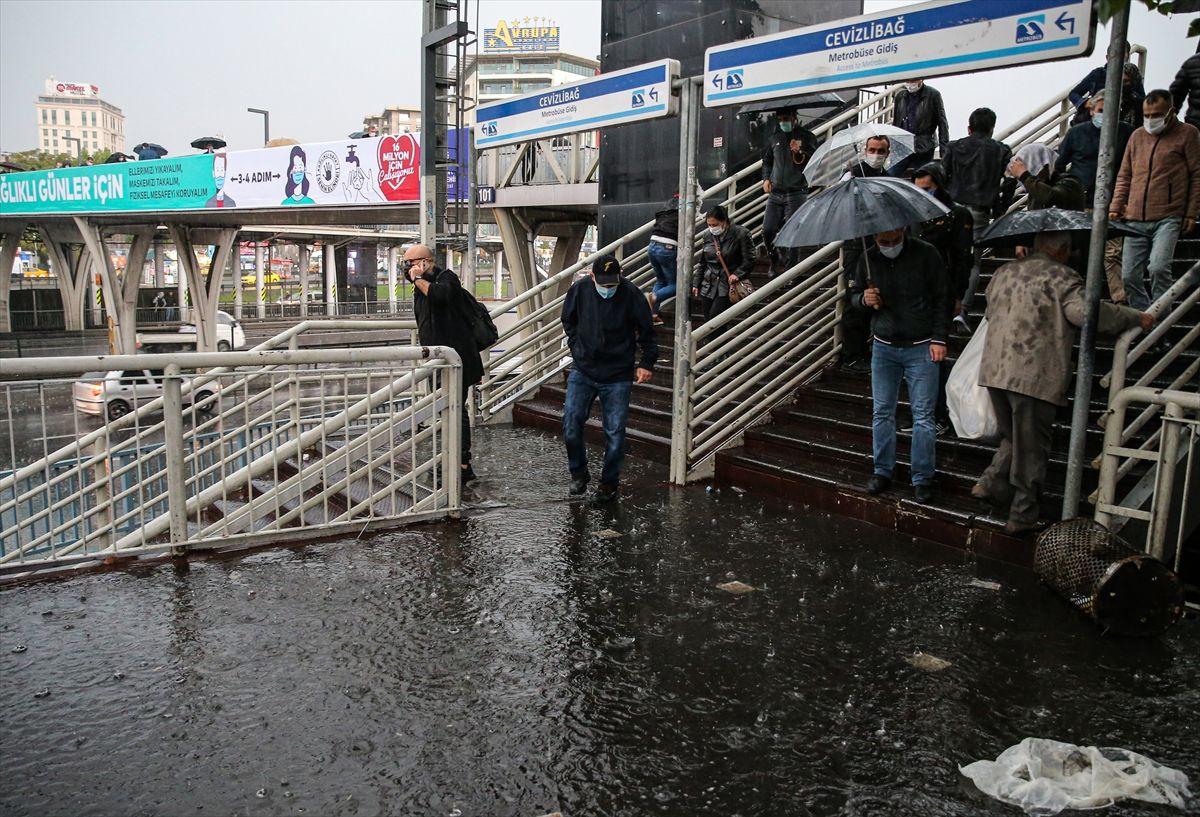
(1155, 125)
(716, 230)
(912, 87)
(875, 160)
(891, 252)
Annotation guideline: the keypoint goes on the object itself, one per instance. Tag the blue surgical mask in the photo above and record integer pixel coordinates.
(219, 181)
(298, 177)
(606, 292)
(786, 127)
(1098, 119)
(891, 252)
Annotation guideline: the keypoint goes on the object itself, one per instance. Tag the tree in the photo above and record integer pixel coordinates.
(1108, 8)
(37, 160)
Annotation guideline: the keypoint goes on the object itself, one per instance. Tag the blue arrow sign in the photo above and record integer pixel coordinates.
(1064, 21)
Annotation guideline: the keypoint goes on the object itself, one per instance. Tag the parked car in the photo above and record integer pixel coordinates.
(116, 393)
(268, 278)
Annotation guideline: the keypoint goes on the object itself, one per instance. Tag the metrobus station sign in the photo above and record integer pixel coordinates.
(383, 170)
(632, 95)
(920, 41)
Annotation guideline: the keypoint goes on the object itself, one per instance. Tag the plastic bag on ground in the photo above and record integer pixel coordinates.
(1045, 776)
(970, 406)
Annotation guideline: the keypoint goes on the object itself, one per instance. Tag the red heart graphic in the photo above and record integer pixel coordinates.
(399, 159)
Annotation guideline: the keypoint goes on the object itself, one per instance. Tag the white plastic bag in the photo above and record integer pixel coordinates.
(1045, 776)
(970, 407)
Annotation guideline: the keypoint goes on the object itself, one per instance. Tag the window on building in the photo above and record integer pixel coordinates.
(45, 143)
(67, 117)
(496, 88)
(45, 132)
(45, 116)
(54, 133)
(93, 119)
(531, 66)
(527, 87)
(54, 117)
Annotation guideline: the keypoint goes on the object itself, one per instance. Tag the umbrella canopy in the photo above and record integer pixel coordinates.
(825, 99)
(117, 156)
(150, 150)
(1021, 227)
(856, 208)
(829, 161)
(11, 167)
(207, 142)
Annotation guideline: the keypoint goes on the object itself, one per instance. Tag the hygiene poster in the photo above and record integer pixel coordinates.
(381, 170)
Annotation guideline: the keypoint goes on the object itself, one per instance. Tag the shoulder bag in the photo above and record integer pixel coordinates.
(737, 291)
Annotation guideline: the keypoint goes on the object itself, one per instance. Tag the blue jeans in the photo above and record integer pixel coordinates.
(614, 405)
(1153, 252)
(662, 259)
(889, 365)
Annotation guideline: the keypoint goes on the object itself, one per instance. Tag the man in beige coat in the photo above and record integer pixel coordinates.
(1033, 308)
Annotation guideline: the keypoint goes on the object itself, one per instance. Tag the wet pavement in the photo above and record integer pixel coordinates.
(546, 655)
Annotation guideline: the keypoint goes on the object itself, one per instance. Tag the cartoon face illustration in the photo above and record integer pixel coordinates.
(297, 180)
(219, 165)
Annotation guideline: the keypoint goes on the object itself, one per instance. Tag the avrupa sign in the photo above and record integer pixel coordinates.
(926, 40)
(632, 95)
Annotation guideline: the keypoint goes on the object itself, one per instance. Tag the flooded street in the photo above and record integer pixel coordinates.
(545, 655)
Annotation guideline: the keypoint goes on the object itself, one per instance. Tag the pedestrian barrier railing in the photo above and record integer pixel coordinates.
(570, 159)
(272, 446)
(1143, 433)
(1174, 458)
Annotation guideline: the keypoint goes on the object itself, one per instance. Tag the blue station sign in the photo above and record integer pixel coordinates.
(926, 40)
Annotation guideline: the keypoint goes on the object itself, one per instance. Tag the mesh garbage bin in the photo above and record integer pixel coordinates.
(1120, 588)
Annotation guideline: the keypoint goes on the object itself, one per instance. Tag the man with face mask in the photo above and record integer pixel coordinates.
(919, 110)
(1079, 154)
(783, 161)
(903, 285)
(1158, 193)
(441, 321)
(856, 325)
(607, 321)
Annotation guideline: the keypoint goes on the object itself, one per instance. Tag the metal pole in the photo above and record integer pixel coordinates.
(266, 115)
(174, 449)
(472, 214)
(1095, 270)
(260, 275)
(393, 296)
(681, 409)
(1164, 486)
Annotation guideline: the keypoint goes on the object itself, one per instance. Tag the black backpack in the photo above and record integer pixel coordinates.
(483, 329)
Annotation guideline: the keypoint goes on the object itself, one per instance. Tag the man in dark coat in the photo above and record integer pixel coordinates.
(918, 109)
(1186, 88)
(856, 324)
(607, 321)
(903, 287)
(442, 321)
(783, 161)
(974, 167)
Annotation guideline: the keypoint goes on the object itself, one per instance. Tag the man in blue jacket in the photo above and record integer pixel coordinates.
(606, 320)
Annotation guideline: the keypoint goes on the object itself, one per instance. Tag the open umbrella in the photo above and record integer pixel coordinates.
(117, 156)
(822, 99)
(1022, 226)
(10, 167)
(857, 208)
(208, 143)
(829, 161)
(150, 150)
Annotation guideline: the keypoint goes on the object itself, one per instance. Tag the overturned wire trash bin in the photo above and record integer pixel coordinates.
(1121, 589)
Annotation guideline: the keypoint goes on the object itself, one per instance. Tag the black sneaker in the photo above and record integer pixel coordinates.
(959, 326)
(578, 486)
(860, 365)
(605, 493)
(878, 484)
(923, 494)
(468, 474)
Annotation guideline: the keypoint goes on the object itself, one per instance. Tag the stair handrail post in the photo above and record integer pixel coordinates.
(681, 375)
(1092, 285)
(173, 448)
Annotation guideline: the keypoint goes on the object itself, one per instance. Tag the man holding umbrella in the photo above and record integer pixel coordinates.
(784, 159)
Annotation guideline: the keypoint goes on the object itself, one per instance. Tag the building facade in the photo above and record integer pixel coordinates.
(67, 111)
(498, 76)
(394, 119)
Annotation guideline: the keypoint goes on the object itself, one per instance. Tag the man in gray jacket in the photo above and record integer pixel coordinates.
(1033, 308)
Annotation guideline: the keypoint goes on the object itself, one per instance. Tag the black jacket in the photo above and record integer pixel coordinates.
(912, 287)
(1094, 82)
(1081, 150)
(1061, 190)
(604, 333)
(780, 166)
(1186, 86)
(930, 116)
(737, 248)
(953, 236)
(666, 221)
(974, 166)
(442, 321)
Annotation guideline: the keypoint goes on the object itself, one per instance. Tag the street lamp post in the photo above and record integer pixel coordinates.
(266, 115)
(78, 147)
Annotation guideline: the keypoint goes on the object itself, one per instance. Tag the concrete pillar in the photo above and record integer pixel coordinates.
(95, 302)
(260, 279)
(235, 262)
(519, 252)
(498, 276)
(160, 273)
(393, 258)
(8, 252)
(305, 254)
(181, 282)
(70, 271)
(329, 256)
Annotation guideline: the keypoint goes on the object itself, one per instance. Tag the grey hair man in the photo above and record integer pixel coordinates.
(1034, 306)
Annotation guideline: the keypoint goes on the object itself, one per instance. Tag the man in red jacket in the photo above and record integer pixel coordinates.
(1158, 193)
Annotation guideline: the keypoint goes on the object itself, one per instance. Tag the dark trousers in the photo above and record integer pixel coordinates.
(856, 332)
(1018, 469)
(582, 391)
(711, 307)
(780, 207)
(466, 433)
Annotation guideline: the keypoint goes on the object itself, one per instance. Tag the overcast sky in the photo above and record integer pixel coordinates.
(184, 69)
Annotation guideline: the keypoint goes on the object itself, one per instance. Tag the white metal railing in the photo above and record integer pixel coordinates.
(272, 446)
(571, 159)
(1142, 435)
(1176, 446)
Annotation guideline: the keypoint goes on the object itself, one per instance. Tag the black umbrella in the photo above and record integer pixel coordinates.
(359, 134)
(10, 167)
(145, 148)
(208, 142)
(115, 157)
(1021, 227)
(825, 99)
(856, 208)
